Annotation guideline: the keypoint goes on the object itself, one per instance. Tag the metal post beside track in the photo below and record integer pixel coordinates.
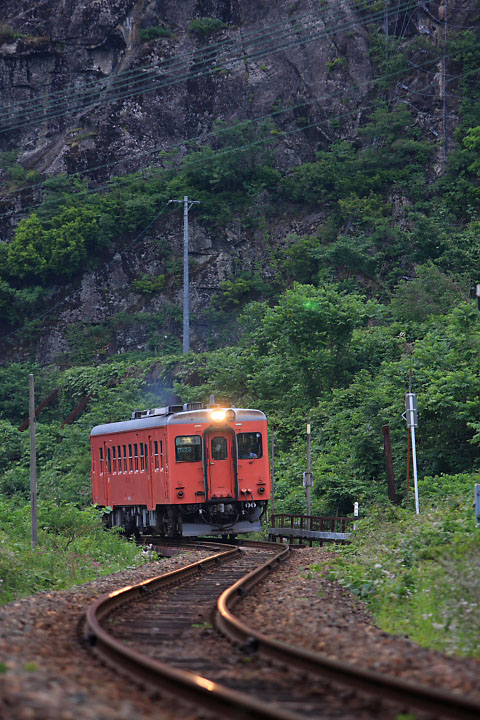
(33, 459)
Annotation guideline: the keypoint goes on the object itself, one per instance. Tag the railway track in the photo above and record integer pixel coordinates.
(162, 632)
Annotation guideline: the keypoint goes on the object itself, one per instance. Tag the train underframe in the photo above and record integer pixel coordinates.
(228, 517)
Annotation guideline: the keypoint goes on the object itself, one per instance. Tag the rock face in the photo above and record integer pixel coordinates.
(71, 45)
(85, 89)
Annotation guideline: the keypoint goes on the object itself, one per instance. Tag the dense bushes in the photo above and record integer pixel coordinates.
(75, 229)
(425, 581)
(345, 363)
(73, 548)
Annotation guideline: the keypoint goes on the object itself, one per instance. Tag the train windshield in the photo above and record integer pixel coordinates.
(188, 448)
(249, 445)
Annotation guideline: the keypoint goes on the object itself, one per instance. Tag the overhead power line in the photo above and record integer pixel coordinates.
(81, 102)
(163, 210)
(193, 141)
(205, 53)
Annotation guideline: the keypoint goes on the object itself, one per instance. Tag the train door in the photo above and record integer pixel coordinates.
(221, 464)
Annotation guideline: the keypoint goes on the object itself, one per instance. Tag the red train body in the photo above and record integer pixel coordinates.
(183, 470)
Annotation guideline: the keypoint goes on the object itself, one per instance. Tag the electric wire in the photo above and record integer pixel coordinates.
(186, 142)
(161, 212)
(138, 237)
(148, 86)
(118, 83)
(209, 52)
(134, 241)
(210, 48)
(183, 143)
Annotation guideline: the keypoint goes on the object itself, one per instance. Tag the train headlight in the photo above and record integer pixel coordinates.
(218, 415)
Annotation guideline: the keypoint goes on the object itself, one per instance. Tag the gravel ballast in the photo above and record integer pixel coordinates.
(49, 673)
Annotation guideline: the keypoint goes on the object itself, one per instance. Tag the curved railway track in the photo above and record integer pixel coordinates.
(161, 632)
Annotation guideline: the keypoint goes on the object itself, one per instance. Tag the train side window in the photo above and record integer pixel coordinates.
(249, 445)
(161, 455)
(142, 457)
(188, 448)
(156, 463)
(219, 448)
(130, 459)
(146, 456)
(102, 469)
(109, 460)
(114, 459)
(135, 453)
(119, 456)
(125, 463)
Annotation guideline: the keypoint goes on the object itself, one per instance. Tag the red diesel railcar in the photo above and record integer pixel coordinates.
(183, 470)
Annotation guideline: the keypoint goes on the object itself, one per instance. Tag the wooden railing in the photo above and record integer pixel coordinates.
(311, 528)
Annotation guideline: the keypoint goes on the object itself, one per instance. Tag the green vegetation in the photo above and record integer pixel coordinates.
(149, 285)
(205, 26)
(420, 574)
(75, 229)
(73, 548)
(155, 31)
(327, 325)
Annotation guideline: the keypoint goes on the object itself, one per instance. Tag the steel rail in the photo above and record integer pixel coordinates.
(154, 673)
(442, 702)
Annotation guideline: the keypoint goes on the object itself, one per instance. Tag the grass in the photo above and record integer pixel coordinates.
(420, 575)
(73, 548)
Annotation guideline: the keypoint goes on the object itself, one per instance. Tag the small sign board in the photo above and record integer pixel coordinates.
(307, 479)
(411, 412)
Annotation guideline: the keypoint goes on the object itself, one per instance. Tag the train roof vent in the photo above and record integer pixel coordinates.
(175, 408)
(193, 406)
(157, 411)
(139, 414)
(168, 410)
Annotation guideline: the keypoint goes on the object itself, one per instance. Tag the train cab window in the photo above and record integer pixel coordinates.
(188, 448)
(102, 469)
(249, 445)
(219, 448)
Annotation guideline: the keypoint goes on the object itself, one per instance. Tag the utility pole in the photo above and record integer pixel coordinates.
(187, 204)
(308, 476)
(33, 460)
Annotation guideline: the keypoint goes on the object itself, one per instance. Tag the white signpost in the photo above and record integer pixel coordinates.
(411, 417)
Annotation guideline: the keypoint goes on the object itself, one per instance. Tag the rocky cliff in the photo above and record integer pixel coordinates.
(102, 87)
